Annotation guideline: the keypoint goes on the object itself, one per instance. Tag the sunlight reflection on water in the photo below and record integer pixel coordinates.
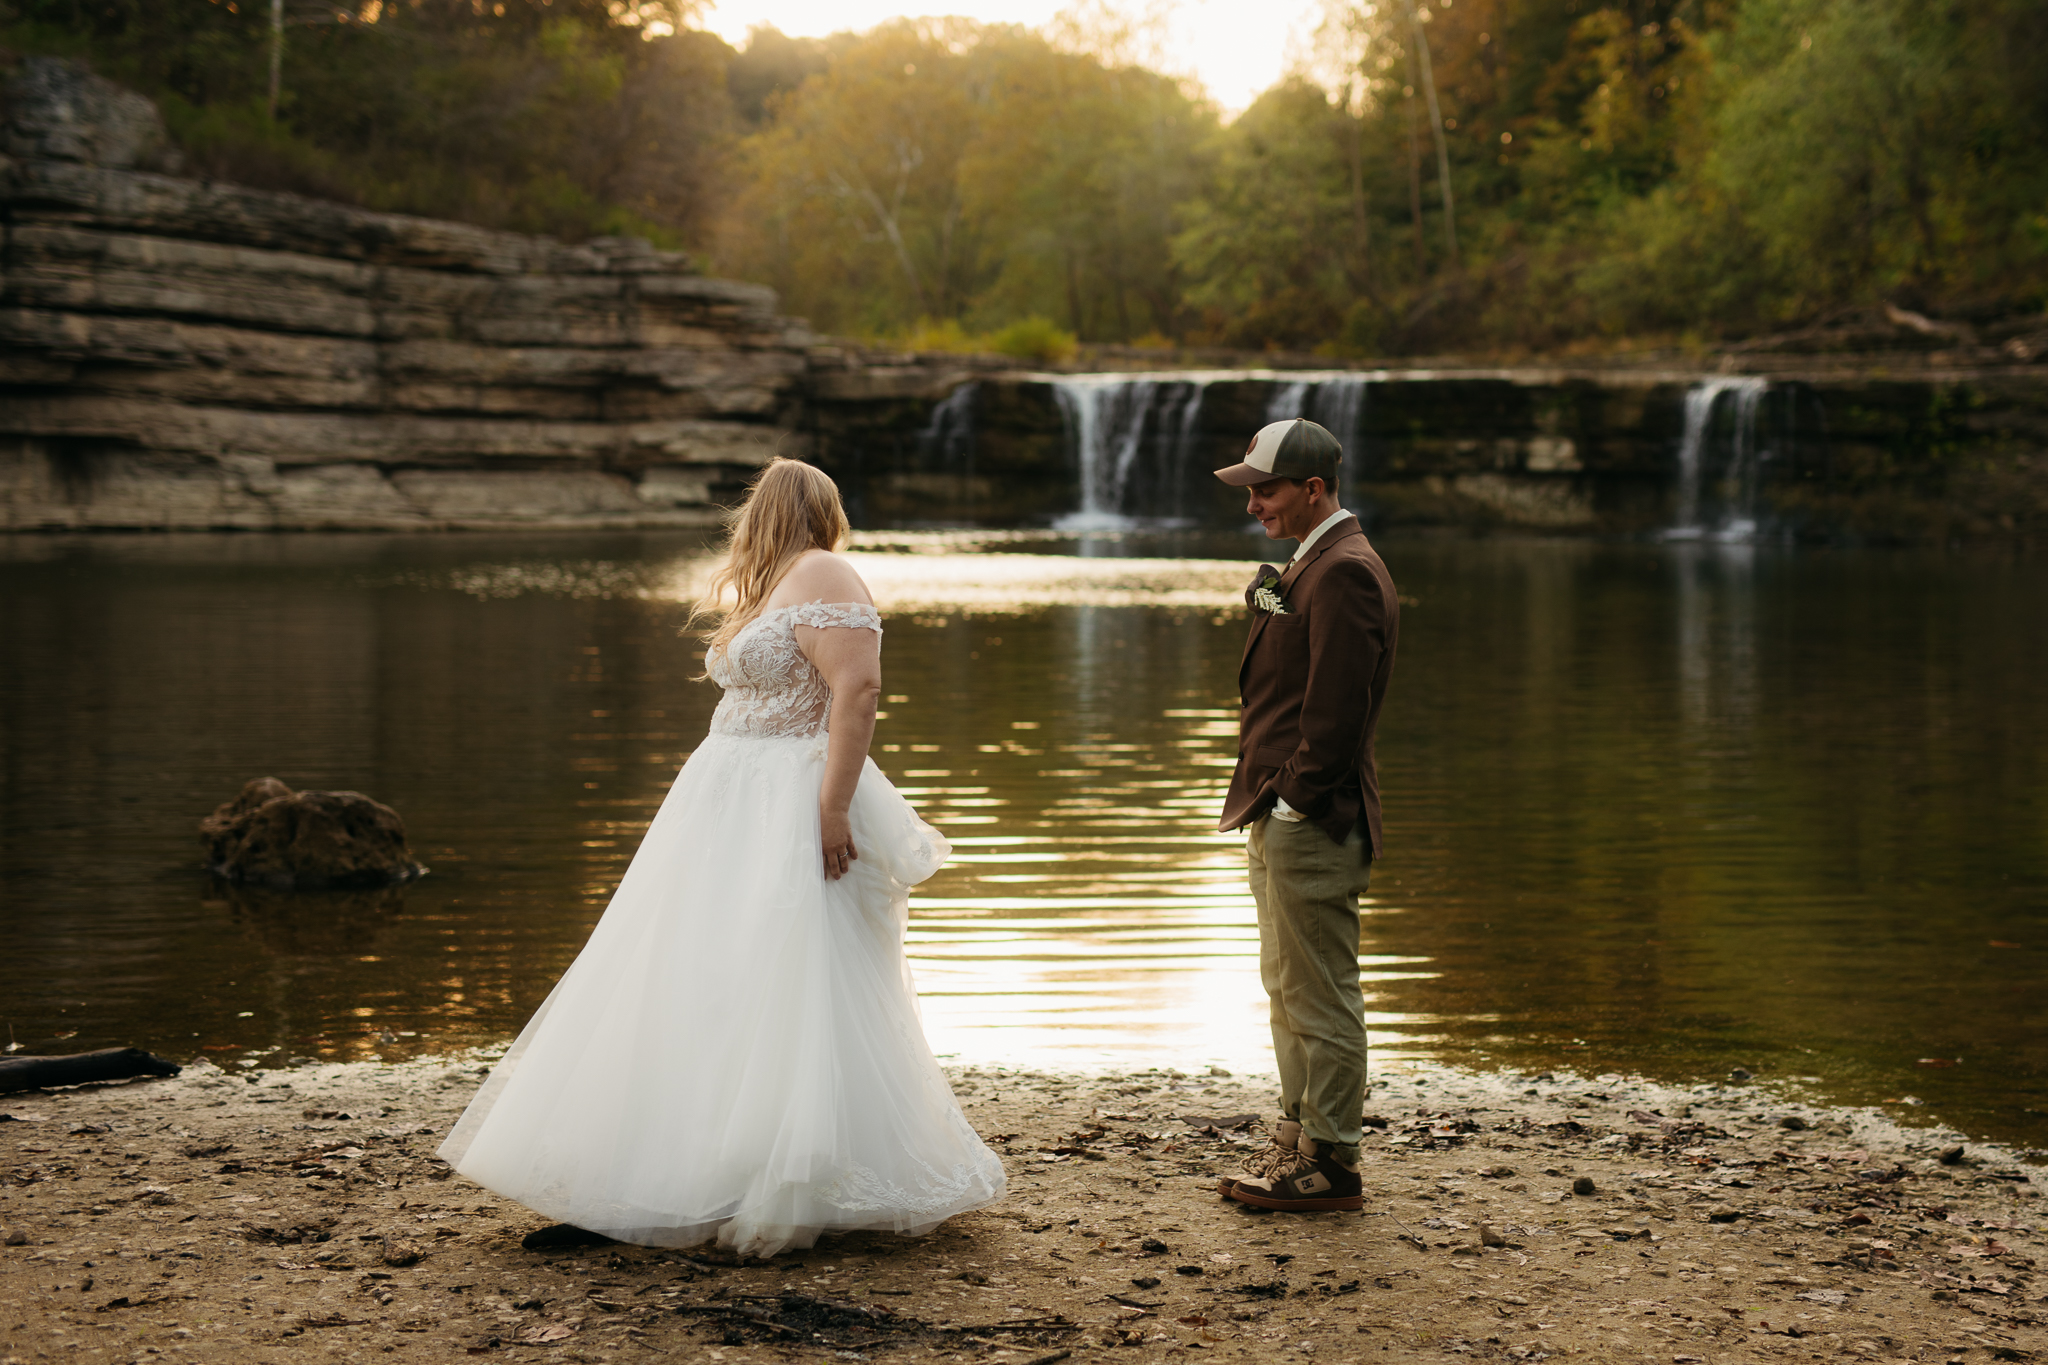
(1008, 584)
(1103, 945)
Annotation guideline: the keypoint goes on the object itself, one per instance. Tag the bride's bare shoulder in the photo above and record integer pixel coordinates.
(820, 576)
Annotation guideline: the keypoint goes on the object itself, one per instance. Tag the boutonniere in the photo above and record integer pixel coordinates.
(1264, 593)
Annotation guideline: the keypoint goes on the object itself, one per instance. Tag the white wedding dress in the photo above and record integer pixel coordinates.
(737, 1051)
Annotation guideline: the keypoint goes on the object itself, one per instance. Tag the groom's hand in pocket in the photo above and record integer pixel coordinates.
(837, 829)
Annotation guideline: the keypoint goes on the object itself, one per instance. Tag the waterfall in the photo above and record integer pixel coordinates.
(1335, 403)
(1741, 470)
(948, 438)
(1136, 440)
(1122, 430)
(1287, 401)
(1745, 469)
(1136, 443)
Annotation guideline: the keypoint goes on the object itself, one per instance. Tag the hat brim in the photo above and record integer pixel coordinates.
(1244, 475)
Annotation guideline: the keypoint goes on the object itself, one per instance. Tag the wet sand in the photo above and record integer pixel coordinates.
(297, 1215)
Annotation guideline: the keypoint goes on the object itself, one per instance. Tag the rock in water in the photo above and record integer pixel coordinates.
(273, 836)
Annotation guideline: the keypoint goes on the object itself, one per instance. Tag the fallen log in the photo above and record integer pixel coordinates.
(81, 1068)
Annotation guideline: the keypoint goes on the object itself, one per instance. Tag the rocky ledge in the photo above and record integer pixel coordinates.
(176, 354)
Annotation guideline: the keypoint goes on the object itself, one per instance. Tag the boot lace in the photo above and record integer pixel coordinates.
(1267, 1164)
(1287, 1164)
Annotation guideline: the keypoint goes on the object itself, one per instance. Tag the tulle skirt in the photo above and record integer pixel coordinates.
(737, 1051)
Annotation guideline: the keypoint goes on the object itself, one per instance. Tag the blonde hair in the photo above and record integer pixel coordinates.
(790, 509)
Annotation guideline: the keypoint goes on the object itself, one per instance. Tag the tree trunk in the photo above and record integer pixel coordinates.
(1117, 289)
(944, 287)
(1074, 294)
(1919, 198)
(1415, 172)
(1361, 222)
(891, 230)
(276, 53)
(1436, 127)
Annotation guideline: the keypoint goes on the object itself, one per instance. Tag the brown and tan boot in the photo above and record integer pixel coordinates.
(1260, 1164)
(1309, 1179)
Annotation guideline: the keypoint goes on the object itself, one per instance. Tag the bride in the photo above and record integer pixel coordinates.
(737, 1051)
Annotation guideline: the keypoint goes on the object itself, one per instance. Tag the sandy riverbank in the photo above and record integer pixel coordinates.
(301, 1215)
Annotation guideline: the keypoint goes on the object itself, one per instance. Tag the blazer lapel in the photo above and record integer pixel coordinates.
(1344, 528)
(1251, 641)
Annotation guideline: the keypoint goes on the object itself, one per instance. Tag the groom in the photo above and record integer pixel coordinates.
(1314, 675)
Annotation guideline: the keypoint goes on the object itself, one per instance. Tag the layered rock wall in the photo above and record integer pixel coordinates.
(183, 355)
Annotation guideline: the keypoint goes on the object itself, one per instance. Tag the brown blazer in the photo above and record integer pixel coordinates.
(1311, 686)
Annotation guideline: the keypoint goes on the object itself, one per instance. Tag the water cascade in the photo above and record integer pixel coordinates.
(948, 438)
(1739, 473)
(1337, 404)
(1137, 444)
(1133, 440)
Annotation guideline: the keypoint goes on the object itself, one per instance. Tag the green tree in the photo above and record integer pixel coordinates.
(1860, 143)
(1274, 252)
(853, 206)
(1077, 174)
(1849, 152)
(565, 116)
(947, 171)
(770, 65)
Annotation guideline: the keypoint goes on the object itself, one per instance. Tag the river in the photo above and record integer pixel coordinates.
(1666, 808)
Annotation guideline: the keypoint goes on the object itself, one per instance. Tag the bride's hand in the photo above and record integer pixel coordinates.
(839, 850)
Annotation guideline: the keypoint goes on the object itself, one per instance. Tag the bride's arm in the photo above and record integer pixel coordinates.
(851, 662)
(850, 659)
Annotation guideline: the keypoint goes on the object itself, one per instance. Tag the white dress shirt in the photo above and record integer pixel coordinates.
(1308, 541)
(1281, 810)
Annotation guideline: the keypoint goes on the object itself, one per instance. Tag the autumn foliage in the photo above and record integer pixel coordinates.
(1493, 176)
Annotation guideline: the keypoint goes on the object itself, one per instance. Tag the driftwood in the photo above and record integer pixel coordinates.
(81, 1068)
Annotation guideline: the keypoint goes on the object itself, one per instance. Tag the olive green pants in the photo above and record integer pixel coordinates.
(1307, 891)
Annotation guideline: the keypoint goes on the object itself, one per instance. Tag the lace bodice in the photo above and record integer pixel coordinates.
(771, 689)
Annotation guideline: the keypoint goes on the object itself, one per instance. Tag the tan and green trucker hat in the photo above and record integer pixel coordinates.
(1294, 449)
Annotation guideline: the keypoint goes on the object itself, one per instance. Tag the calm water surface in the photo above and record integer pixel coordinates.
(1673, 809)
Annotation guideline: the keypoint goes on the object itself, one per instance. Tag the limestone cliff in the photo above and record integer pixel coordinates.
(185, 355)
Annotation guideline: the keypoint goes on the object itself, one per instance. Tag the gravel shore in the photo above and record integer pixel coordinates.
(300, 1214)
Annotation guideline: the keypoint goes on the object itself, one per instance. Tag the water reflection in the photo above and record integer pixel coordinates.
(315, 924)
(1716, 636)
(1671, 808)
